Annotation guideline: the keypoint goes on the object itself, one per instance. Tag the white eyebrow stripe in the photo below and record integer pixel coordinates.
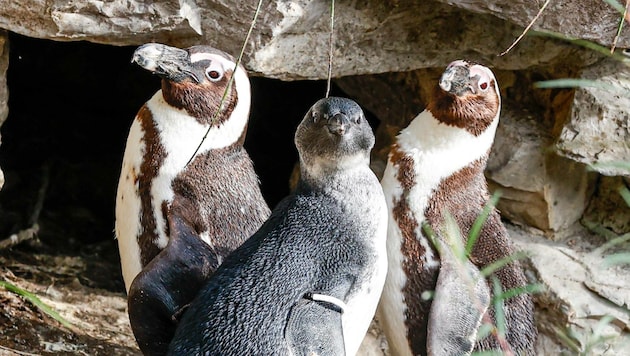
(196, 57)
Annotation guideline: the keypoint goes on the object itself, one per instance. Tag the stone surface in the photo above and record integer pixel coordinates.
(579, 292)
(539, 188)
(593, 20)
(598, 131)
(291, 38)
(607, 212)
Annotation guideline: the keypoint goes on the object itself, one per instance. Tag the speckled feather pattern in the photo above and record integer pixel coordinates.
(436, 166)
(327, 237)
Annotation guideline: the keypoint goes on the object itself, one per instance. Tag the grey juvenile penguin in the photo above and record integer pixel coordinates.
(176, 220)
(309, 280)
(436, 167)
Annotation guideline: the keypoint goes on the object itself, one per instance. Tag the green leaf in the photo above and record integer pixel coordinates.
(580, 42)
(617, 6)
(528, 289)
(484, 331)
(473, 235)
(625, 194)
(33, 299)
(500, 263)
(499, 311)
(574, 83)
(616, 259)
(487, 353)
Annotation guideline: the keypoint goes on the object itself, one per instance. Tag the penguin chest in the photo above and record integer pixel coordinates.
(161, 141)
(412, 261)
(362, 303)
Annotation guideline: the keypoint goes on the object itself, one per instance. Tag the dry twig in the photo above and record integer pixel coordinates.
(31, 231)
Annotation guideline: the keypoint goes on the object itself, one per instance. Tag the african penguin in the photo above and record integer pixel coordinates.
(308, 282)
(434, 168)
(179, 215)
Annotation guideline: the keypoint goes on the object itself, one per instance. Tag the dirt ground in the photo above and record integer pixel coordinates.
(85, 288)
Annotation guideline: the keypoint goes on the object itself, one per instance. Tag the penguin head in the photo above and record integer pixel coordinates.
(467, 96)
(195, 79)
(334, 131)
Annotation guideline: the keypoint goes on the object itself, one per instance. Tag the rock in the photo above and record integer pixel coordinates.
(607, 211)
(291, 38)
(598, 130)
(593, 20)
(4, 89)
(579, 294)
(539, 188)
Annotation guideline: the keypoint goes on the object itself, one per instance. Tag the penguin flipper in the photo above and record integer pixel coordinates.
(461, 299)
(314, 327)
(156, 298)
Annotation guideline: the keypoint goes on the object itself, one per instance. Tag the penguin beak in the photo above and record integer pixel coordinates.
(167, 62)
(338, 124)
(456, 79)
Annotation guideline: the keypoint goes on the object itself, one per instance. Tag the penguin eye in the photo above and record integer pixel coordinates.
(214, 75)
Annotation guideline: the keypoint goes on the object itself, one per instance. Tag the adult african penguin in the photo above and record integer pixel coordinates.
(434, 168)
(179, 211)
(308, 282)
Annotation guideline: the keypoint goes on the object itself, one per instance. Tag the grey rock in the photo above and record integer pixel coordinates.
(539, 188)
(607, 212)
(593, 20)
(580, 292)
(291, 38)
(598, 131)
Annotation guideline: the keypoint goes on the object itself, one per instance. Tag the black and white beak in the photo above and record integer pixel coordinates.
(170, 63)
(338, 124)
(456, 78)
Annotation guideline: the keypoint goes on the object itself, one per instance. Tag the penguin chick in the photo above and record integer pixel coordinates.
(308, 282)
(434, 168)
(176, 220)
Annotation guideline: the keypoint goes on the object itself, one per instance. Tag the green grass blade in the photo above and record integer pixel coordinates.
(617, 6)
(33, 299)
(625, 194)
(502, 262)
(484, 331)
(574, 83)
(616, 259)
(473, 235)
(528, 289)
(499, 311)
(615, 241)
(579, 42)
(487, 353)
(608, 165)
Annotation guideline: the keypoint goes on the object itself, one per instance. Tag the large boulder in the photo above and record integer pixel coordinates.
(598, 131)
(291, 38)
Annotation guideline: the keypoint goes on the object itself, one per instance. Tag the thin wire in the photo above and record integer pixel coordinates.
(526, 28)
(331, 45)
(229, 85)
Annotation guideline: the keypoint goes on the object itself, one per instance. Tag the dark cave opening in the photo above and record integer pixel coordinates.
(70, 108)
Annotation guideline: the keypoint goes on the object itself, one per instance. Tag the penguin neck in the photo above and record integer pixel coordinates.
(444, 149)
(182, 133)
(431, 133)
(327, 175)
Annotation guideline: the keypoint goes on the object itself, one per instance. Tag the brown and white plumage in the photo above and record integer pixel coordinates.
(170, 196)
(436, 167)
